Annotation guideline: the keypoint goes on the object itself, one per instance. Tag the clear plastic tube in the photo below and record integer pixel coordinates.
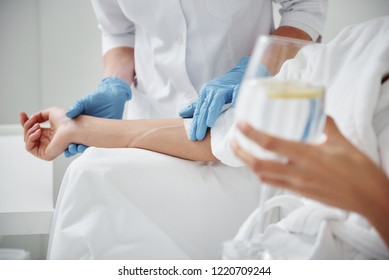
(150, 131)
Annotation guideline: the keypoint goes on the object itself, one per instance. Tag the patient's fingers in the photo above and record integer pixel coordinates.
(28, 124)
(285, 175)
(23, 118)
(33, 138)
(290, 149)
(39, 117)
(263, 167)
(31, 131)
(34, 128)
(290, 185)
(290, 175)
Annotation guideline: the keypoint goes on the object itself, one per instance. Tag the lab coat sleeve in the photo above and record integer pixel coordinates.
(117, 30)
(307, 15)
(222, 132)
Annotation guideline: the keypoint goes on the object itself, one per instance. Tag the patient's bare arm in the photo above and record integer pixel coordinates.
(166, 136)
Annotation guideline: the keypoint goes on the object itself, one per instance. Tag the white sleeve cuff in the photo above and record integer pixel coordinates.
(314, 30)
(110, 41)
(221, 135)
(187, 125)
(307, 15)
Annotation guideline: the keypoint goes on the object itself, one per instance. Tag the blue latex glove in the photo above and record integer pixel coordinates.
(212, 97)
(106, 102)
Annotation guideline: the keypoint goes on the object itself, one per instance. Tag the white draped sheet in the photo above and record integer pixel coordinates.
(137, 204)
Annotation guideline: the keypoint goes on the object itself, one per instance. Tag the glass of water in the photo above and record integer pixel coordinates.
(275, 98)
(279, 101)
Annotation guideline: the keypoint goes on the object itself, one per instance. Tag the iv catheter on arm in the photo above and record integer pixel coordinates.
(166, 136)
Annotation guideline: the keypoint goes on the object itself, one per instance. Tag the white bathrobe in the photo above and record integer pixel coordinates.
(137, 204)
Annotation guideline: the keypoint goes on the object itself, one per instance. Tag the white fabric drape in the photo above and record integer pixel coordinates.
(137, 204)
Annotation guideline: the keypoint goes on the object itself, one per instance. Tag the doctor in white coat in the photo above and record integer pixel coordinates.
(172, 50)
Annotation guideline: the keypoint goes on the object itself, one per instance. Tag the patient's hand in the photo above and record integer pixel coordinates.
(46, 142)
(334, 172)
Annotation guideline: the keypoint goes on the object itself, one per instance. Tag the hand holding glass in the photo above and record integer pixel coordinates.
(283, 105)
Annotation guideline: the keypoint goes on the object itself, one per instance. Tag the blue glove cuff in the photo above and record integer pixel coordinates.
(242, 65)
(110, 82)
(261, 71)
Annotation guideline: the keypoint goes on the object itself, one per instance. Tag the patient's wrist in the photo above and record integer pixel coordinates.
(379, 221)
(100, 132)
(377, 211)
(78, 129)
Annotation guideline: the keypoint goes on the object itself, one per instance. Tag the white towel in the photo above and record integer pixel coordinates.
(357, 59)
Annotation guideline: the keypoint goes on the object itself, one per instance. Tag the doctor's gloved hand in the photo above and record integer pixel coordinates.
(106, 102)
(212, 97)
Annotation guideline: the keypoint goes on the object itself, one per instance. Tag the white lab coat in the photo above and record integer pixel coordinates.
(179, 45)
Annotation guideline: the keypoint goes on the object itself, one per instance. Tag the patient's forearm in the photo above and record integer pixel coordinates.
(166, 136)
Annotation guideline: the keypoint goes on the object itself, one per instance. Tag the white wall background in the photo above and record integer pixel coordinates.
(50, 55)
